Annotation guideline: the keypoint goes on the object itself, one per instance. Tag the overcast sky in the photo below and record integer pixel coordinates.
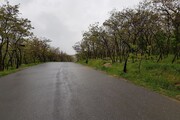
(63, 21)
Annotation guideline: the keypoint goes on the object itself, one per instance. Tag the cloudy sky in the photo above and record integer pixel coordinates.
(63, 21)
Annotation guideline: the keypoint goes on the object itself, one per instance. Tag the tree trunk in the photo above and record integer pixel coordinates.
(4, 57)
(1, 67)
(17, 60)
(125, 66)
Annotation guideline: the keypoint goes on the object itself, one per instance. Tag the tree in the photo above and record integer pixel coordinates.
(170, 11)
(17, 43)
(149, 31)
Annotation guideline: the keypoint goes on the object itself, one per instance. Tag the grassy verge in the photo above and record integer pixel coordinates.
(13, 70)
(162, 77)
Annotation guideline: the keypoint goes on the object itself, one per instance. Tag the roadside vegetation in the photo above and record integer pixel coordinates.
(19, 46)
(161, 77)
(13, 69)
(140, 44)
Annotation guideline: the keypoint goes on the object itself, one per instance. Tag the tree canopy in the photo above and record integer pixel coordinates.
(151, 30)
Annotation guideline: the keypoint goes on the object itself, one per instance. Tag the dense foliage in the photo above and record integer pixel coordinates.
(151, 31)
(17, 43)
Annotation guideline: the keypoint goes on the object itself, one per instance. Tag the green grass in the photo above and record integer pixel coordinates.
(13, 69)
(161, 77)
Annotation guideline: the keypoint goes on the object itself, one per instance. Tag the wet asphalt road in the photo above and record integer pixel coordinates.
(68, 91)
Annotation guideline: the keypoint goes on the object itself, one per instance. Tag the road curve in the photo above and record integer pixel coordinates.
(68, 91)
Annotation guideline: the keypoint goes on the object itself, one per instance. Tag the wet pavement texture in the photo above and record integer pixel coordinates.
(69, 91)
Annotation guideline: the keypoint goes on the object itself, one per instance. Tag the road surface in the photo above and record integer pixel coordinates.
(68, 91)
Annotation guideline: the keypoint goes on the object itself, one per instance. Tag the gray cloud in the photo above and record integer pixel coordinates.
(63, 21)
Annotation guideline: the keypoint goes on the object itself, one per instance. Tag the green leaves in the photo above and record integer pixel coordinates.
(17, 44)
(148, 32)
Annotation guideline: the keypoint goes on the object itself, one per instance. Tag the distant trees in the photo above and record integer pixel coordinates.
(149, 31)
(38, 50)
(17, 43)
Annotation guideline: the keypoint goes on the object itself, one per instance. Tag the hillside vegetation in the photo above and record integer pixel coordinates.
(141, 44)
